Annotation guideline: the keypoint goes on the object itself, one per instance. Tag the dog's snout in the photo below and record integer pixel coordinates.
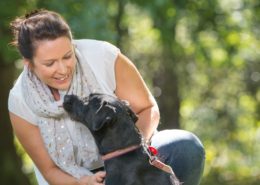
(66, 99)
(85, 100)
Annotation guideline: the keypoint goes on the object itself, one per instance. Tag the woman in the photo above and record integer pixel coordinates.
(63, 150)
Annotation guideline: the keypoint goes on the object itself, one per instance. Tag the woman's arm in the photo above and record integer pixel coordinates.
(131, 87)
(30, 138)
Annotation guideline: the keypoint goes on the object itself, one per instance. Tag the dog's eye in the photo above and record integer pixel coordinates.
(108, 106)
(105, 103)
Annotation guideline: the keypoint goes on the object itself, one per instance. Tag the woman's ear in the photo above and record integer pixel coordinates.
(27, 62)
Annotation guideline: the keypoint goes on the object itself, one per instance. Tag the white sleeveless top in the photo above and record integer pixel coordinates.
(101, 58)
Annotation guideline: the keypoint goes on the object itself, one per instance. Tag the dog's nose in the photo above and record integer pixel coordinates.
(66, 99)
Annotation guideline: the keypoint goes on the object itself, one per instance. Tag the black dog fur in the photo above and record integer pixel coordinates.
(112, 124)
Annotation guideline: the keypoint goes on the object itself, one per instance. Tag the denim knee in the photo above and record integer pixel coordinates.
(184, 152)
(178, 140)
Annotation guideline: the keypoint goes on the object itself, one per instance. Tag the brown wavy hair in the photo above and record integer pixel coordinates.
(36, 26)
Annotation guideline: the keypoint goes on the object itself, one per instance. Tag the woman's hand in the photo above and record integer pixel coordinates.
(96, 179)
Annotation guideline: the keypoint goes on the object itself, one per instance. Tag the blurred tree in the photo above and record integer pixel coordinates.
(165, 15)
(209, 51)
(200, 58)
(11, 171)
(87, 19)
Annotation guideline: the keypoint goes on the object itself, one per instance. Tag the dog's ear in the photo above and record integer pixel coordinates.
(132, 114)
(129, 111)
(125, 102)
(101, 123)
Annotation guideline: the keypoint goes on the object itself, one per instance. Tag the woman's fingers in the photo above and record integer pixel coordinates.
(100, 176)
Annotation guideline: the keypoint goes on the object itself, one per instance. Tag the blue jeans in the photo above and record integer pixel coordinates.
(183, 151)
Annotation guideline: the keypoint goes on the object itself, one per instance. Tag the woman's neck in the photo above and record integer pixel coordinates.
(55, 93)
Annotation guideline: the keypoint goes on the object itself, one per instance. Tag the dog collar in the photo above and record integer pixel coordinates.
(119, 152)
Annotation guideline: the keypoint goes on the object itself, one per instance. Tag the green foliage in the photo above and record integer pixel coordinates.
(88, 19)
(28, 164)
(215, 46)
(9, 10)
(201, 60)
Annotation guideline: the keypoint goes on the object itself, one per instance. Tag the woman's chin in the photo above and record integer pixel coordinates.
(62, 87)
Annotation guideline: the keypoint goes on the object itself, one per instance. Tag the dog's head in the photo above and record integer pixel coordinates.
(110, 120)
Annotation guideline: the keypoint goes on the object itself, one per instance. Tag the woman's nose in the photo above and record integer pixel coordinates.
(62, 68)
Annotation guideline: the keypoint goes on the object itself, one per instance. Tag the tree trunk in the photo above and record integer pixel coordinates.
(11, 165)
(169, 100)
(121, 31)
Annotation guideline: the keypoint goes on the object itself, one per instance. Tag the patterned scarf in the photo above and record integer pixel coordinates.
(68, 154)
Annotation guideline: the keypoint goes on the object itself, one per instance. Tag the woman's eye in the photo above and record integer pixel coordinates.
(49, 64)
(67, 57)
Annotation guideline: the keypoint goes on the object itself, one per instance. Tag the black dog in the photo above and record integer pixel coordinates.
(112, 124)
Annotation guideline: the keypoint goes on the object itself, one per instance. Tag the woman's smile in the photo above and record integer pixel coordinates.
(63, 79)
(54, 62)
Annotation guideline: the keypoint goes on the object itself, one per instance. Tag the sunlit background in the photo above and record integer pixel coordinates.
(200, 58)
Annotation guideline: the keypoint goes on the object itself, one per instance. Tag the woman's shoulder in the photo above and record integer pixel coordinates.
(17, 88)
(95, 46)
(89, 44)
(16, 102)
(101, 57)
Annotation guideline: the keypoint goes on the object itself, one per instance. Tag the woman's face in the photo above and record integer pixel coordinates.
(54, 62)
